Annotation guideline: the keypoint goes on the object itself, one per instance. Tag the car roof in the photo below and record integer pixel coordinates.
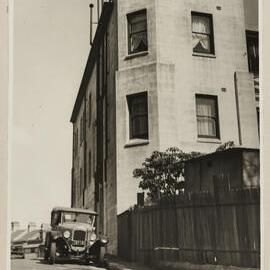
(74, 210)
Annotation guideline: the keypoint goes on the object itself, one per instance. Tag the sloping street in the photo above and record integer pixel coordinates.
(36, 264)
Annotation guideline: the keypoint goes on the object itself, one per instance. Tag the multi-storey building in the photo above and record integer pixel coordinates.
(159, 74)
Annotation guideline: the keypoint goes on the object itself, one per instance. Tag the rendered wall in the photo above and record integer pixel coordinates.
(172, 75)
(201, 75)
(100, 190)
(135, 75)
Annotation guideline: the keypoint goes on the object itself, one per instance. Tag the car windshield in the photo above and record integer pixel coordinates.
(78, 217)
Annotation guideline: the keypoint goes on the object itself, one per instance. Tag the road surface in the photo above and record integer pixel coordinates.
(35, 264)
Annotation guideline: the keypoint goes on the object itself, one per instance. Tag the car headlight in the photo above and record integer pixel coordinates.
(66, 234)
(93, 237)
(104, 240)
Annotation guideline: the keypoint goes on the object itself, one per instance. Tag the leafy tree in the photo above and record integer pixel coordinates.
(163, 172)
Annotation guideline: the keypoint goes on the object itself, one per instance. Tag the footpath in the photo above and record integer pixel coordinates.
(118, 264)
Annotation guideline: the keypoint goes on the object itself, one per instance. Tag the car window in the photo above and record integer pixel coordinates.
(69, 217)
(55, 218)
(78, 217)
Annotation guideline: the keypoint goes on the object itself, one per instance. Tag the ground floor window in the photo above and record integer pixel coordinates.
(207, 116)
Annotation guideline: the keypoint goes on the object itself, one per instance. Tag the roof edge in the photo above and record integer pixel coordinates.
(103, 21)
(232, 149)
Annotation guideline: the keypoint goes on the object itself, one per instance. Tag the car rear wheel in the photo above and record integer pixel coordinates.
(52, 253)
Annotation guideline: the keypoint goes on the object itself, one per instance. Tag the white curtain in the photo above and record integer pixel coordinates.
(201, 39)
(139, 42)
(206, 117)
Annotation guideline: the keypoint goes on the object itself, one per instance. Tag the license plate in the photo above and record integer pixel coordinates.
(78, 243)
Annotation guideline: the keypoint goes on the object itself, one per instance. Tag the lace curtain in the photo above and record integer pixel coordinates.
(138, 33)
(201, 33)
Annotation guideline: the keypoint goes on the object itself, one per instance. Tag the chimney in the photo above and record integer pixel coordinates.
(31, 226)
(15, 225)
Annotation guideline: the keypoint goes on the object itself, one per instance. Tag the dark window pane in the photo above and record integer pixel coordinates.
(253, 51)
(138, 113)
(140, 126)
(138, 26)
(258, 119)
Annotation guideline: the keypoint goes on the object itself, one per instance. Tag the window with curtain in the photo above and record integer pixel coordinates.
(202, 33)
(207, 116)
(137, 32)
(138, 116)
(253, 51)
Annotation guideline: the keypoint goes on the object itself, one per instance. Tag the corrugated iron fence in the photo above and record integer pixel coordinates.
(221, 228)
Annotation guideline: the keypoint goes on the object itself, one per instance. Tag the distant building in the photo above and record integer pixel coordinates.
(160, 74)
(27, 241)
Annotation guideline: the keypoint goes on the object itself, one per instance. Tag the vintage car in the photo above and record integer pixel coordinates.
(17, 250)
(73, 237)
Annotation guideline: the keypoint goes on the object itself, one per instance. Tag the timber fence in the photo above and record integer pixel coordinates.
(203, 228)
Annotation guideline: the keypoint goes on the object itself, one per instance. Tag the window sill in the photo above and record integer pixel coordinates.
(133, 55)
(136, 142)
(209, 140)
(207, 55)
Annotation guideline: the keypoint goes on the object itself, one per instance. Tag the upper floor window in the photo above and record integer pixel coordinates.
(202, 33)
(137, 32)
(253, 51)
(138, 116)
(207, 116)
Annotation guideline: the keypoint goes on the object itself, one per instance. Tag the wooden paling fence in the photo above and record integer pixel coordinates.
(221, 228)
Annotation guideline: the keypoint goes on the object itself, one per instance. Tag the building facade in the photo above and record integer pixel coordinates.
(160, 74)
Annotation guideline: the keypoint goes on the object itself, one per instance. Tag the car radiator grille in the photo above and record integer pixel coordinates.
(79, 235)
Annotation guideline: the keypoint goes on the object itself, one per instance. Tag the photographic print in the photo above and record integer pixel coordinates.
(135, 135)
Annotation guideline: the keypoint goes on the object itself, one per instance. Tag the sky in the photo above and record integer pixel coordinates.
(50, 50)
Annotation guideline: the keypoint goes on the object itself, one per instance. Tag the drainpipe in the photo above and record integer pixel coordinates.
(237, 108)
(84, 151)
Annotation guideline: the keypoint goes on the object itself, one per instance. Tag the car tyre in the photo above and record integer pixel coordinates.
(52, 253)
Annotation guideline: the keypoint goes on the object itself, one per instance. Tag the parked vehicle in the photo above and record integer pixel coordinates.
(17, 250)
(73, 237)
